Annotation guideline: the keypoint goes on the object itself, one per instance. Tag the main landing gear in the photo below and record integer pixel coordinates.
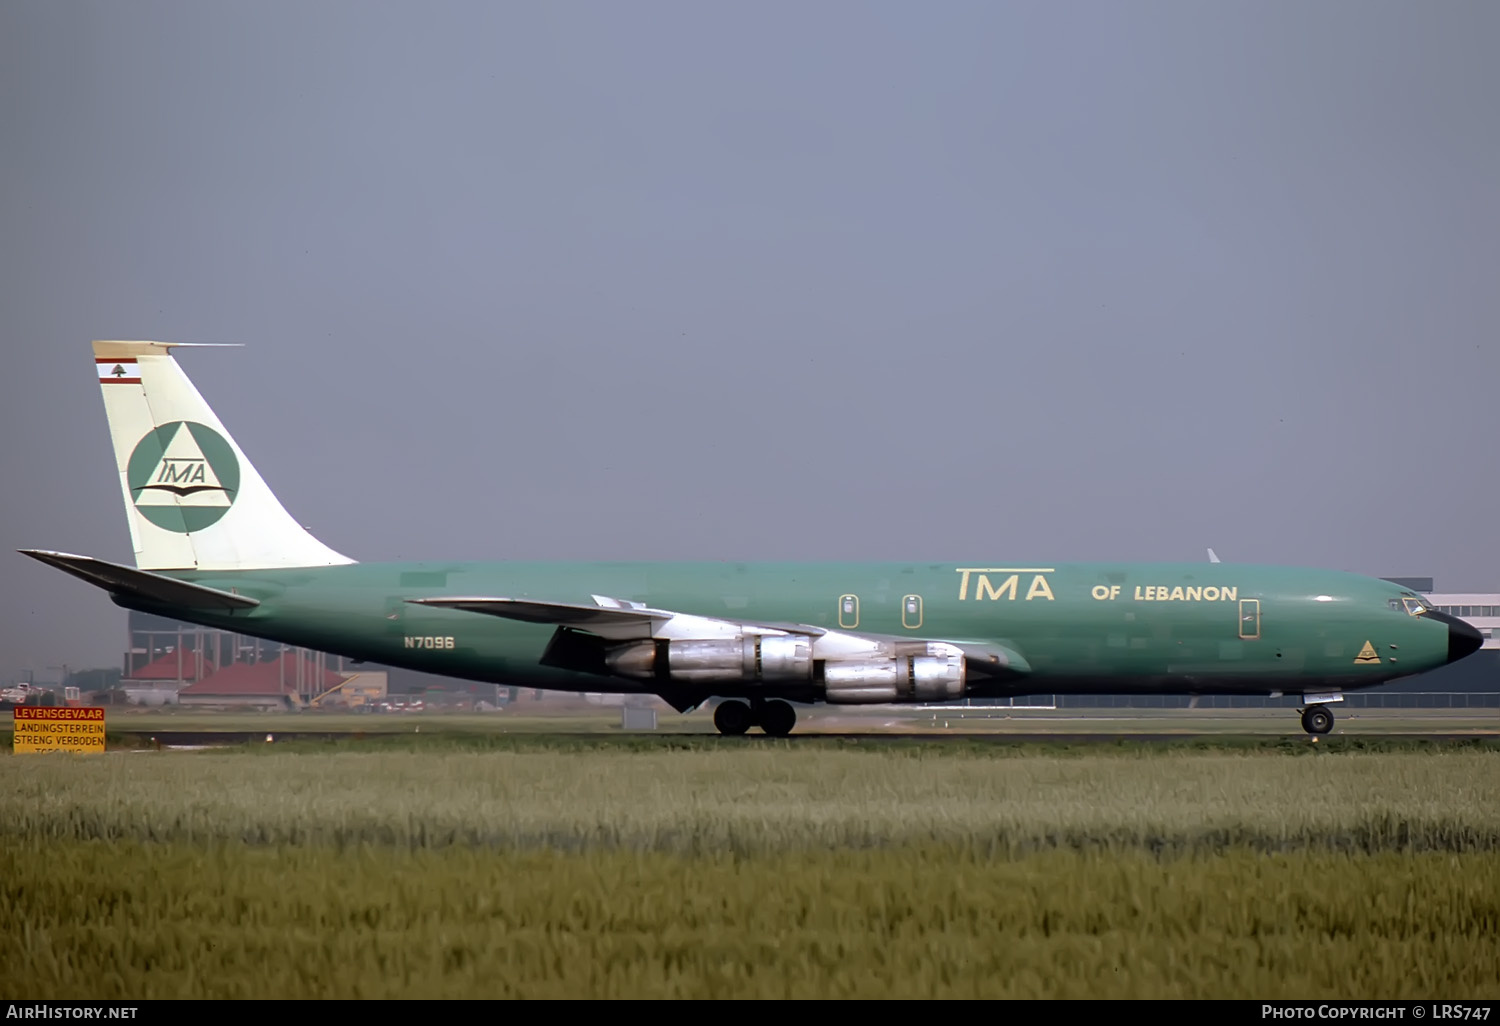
(775, 718)
(1316, 719)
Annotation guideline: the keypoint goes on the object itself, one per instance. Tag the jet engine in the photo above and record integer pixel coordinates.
(934, 675)
(756, 658)
(850, 669)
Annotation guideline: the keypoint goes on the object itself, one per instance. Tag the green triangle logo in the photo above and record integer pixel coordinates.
(183, 476)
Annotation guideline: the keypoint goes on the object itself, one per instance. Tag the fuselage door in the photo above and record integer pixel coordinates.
(1249, 619)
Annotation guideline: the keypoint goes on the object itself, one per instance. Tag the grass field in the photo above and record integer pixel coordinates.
(182, 920)
(473, 865)
(762, 799)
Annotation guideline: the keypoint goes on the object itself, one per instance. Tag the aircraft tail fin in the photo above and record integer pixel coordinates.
(192, 498)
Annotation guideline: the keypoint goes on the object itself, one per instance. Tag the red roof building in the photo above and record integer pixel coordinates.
(181, 665)
(277, 682)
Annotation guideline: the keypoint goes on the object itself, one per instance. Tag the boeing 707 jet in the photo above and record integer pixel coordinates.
(214, 546)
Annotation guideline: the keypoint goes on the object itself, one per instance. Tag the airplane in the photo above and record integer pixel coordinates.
(214, 546)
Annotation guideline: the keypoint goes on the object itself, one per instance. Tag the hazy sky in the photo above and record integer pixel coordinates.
(988, 281)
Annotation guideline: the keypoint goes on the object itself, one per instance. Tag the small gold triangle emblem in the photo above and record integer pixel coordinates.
(1367, 654)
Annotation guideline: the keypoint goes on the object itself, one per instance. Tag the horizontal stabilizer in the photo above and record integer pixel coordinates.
(124, 580)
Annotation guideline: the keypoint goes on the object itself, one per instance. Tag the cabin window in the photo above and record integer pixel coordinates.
(911, 612)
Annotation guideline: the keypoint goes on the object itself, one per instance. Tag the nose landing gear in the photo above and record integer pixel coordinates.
(1316, 719)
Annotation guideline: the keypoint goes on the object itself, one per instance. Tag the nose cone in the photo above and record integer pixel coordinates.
(1463, 638)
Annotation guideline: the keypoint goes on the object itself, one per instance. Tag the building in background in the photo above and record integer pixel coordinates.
(158, 682)
(293, 679)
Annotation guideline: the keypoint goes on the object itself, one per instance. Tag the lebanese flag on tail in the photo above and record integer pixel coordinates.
(118, 372)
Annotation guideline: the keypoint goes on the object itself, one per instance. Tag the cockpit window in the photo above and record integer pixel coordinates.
(1414, 606)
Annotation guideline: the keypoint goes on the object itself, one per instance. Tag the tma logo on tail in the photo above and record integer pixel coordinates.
(183, 476)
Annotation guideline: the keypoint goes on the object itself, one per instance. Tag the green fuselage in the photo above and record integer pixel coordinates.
(1081, 628)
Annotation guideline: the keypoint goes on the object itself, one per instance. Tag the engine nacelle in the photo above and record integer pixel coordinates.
(855, 670)
(752, 659)
(934, 672)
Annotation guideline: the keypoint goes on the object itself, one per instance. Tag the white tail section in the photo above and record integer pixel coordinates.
(194, 502)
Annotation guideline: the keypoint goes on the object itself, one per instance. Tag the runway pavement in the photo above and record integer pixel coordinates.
(200, 739)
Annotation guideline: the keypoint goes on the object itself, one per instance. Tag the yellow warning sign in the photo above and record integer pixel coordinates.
(1367, 654)
(39, 729)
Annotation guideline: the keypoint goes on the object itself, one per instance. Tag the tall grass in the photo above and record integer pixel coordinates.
(749, 871)
(756, 801)
(136, 921)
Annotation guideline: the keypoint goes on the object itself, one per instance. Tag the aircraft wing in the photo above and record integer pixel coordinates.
(563, 614)
(615, 619)
(620, 620)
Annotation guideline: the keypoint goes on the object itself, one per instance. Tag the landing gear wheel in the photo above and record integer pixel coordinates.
(1317, 720)
(777, 719)
(732, 718)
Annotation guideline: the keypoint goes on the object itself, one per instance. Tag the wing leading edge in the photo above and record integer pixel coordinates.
(615, 619)
(581, 629)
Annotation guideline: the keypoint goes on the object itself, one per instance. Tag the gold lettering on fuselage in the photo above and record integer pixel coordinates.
(1008, 588)
(1162, 593)
(988, 584)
